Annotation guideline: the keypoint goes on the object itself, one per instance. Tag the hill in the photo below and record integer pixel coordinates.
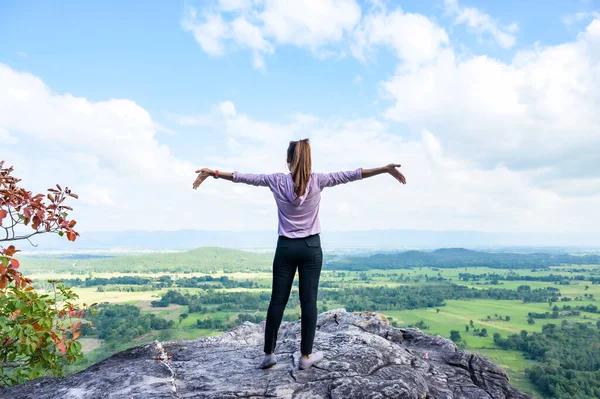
(205, 259)
(458, 257)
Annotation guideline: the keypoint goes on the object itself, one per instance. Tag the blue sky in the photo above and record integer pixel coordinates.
(468, 91)
(115, 49)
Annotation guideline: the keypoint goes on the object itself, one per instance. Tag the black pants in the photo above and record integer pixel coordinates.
(306, 255)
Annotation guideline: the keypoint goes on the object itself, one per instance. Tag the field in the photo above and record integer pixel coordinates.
(496, 316)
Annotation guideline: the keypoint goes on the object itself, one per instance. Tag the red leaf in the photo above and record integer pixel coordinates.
(76, 335)
(10, 251)
(62, 348)
(27, 213)
(15, 263)
(71, 236)
(72, 223)
(3, 214)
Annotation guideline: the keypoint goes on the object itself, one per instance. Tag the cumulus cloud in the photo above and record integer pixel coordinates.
(311, 23)
(318, 25)
(413, 37)
(538, 111)
(114, 129)
(260, 26)
(482, 23)
(107, 151)
(444, 191)
(492, 145)
(210, 33)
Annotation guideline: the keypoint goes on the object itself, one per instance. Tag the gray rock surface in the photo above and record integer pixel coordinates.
(364, 358)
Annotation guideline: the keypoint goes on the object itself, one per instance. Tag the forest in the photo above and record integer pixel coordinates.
(460, 257)
(568, 357)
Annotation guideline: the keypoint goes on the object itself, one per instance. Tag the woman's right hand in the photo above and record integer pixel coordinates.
(202, 175)
(392, 170)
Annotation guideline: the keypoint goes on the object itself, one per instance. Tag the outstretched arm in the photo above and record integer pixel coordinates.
(336, 178)
(236, 177)
(391, 169)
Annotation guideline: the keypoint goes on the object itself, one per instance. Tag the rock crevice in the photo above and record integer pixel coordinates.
(365, 357)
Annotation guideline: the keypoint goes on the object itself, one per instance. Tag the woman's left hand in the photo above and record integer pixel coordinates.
(202, 175)
(392, 169)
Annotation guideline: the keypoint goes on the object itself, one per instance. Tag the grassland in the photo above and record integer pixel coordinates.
(455, 315)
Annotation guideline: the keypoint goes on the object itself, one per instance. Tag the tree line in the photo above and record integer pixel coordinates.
(204, 282)
(357, 298)
(122, 323)
(568, 356)
(459, 257)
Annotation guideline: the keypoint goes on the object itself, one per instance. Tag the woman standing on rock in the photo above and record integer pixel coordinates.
(297, 195)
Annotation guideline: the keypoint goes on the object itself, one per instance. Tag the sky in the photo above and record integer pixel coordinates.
(492, 108)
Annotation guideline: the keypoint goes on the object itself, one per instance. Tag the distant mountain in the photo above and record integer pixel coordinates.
(351, 240)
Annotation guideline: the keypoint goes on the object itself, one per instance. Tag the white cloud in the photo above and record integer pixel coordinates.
(482, 23)
(443, 191)
(114, 129)
(261, 25)
(235, 5)
(315, 25)
(310, 23)
(571, 19)
(107, 151)
(414, 37)
(539, 110)
(210, 34)
(227, 108)
(491, 145)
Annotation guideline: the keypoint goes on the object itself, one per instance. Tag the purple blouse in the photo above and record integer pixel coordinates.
(298, 217)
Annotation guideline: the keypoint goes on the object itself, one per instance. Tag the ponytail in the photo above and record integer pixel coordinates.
(300, 165)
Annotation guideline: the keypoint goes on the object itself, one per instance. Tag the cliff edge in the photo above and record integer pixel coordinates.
(365, 357)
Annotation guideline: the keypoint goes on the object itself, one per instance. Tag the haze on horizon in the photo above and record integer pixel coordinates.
(493, 110)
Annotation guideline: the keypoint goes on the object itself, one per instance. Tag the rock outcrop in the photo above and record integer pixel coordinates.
(365, 357)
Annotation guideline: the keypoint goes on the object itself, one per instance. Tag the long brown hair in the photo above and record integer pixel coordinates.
(298, 155)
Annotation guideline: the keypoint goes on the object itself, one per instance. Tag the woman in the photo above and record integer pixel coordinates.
(297, 196)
